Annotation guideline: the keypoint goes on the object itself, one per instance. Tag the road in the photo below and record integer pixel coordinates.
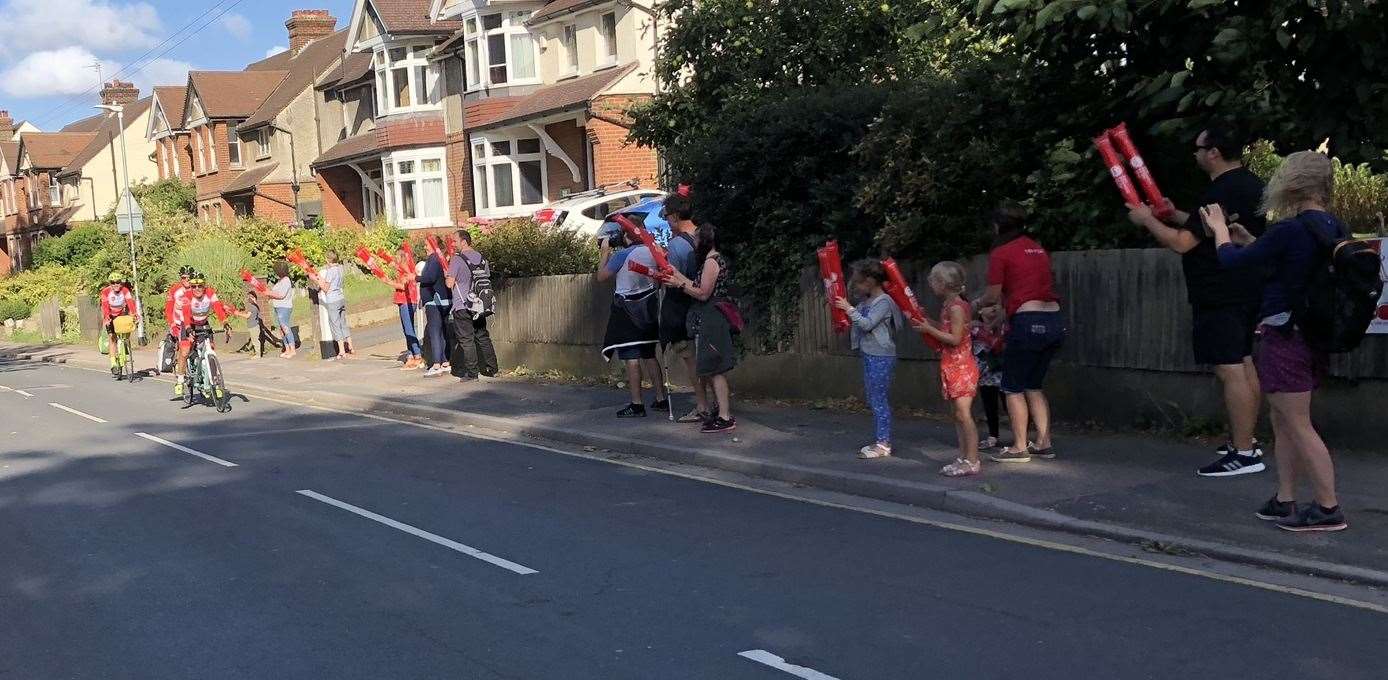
(144, 540)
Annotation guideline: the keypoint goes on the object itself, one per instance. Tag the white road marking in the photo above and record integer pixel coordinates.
(5, 389)
(766, 658)
(26, 395)
(180, 447)
(413, 531)
(949, 526)
(75, 412)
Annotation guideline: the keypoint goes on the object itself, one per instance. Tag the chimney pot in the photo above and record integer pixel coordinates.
(119, 92)
(307, 25)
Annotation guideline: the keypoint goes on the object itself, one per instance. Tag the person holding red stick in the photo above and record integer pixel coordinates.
(958, 369)
(1224, 300)
(674, 307)
(875, 322)
(407, 300)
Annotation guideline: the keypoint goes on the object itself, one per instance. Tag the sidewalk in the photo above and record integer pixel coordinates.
(1134, 488)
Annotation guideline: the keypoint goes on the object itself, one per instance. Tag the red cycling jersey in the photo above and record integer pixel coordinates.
(116, 300)
(173, 305)
(195, 309)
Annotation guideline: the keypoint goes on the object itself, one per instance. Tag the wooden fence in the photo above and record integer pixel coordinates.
(1125, 309)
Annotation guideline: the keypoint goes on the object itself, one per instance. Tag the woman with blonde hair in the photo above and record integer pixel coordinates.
(1289, 369)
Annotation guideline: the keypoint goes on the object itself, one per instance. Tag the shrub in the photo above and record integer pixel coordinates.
(169, 198)
(33, 286)
(523, 247)
(77, 246)
(14, 308)
(221, 261)
(264, 240)
(1361, 196)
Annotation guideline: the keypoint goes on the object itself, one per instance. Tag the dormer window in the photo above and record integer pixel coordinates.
(406, 80)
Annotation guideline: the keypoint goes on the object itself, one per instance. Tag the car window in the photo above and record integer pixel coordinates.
(598, 211)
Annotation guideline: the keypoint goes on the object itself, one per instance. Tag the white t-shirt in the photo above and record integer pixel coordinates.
(283, 287)
(332, 276)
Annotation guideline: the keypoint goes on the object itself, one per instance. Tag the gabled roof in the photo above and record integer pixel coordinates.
(247, 181)
(53, 150)
(363, 144)
(9, 156)
(106, 132)
(231, 94)
(170, 99)
(301, 71)
(570, 94)
(88, 124)
(405, 17)
(349, 69)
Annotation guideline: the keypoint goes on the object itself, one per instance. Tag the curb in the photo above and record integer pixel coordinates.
(920, 494)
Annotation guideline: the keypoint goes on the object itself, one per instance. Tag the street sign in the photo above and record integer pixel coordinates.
(136, 216)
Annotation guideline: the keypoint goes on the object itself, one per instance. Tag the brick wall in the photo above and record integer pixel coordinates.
(574, 142)
(183, 145)
(341, 190)
(211, 184)
(397, 132)
(274, 202)
(458, 158)
(614, 158)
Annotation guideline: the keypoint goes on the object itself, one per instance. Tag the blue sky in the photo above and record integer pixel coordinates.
(47, 47)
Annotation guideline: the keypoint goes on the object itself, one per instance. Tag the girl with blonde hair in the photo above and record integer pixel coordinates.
(958, 369)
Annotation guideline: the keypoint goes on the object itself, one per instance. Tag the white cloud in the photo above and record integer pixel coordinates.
(68, 71)
(238, 26)
(53, 72)
(92, 25)
(274, 50)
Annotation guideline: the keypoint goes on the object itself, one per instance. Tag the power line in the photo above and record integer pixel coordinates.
(145, 59)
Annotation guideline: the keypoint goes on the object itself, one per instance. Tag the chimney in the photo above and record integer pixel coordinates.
(119, 92)
(6, 126)
(308, 25)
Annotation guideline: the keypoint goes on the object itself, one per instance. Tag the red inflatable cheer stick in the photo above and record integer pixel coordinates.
(831, 273)
(1119, 135)
(639, 233)
(641, 269)
(364, 255)
(248, 277)
(449, 247)
(433, 245)
(297, 257)
(901, 293)
(1116, 169)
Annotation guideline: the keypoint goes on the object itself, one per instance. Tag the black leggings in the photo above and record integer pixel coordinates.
(990, 397)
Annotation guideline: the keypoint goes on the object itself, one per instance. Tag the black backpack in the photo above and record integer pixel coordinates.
(1341, 297)
(481, 300)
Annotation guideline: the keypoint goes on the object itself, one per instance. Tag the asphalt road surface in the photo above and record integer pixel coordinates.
(140, 539)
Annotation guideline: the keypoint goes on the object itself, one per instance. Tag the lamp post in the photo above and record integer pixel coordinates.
(119, 110)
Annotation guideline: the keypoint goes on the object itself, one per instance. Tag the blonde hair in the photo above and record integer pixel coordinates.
(1303, 176)
(949, 275)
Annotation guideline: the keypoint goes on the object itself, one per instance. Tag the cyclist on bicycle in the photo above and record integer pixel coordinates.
(116, 300)
(198, 303)
(173, 308)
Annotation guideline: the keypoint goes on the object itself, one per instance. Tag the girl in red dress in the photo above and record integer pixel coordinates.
(958, 369)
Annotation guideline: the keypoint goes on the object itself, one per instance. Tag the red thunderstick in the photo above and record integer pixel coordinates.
(297, 257)
(364, 255)
(1116, 169)
(1119, 135)
(831, 273)
(433, 245)
(250, 278)
(900, 292)
(639, 233)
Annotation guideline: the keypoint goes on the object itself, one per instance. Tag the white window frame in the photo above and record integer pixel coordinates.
(32, 197)
(415, 64)
(234, 141)
(607, 45)
(478, 68)
(373, 204)
(392, 181)
(55, 192)
(262, 142)
(568, 38)
(493, 162)
(173, 155)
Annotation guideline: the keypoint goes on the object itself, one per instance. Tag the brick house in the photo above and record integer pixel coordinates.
(251, 134)
(489, 108)
(42, 207)
(93, 180)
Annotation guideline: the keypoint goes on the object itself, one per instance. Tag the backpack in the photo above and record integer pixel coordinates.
(1342, 294)
(481, 299)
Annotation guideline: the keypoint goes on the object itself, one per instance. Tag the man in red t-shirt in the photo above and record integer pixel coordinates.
(1019, 275)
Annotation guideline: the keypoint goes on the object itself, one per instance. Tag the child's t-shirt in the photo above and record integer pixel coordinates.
(253, 306)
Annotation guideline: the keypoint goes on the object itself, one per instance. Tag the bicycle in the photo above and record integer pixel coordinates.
(203, 376)
(124, 368)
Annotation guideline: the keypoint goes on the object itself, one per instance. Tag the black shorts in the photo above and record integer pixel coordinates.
(1223, 336)
(646, 351)
(1033, 339)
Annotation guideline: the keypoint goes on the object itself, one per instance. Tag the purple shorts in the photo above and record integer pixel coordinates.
(1286, 364)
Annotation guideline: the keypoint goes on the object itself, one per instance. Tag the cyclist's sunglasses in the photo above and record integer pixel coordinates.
(197, 283)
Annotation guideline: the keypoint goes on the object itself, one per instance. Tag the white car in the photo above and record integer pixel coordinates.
(584, 212)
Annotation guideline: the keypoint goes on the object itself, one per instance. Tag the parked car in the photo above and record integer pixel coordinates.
(646, 213)
(585, 212)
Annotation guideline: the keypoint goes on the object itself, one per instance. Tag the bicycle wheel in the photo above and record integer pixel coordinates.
(127, 358)
(220, 396)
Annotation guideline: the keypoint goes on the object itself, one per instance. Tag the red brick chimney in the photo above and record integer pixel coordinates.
(6, 126)
(119, 92)
(308, 25)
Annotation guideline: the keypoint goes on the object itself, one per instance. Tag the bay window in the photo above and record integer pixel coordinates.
(508, 174)
(499, 50)
(406, 80)
(414, 182)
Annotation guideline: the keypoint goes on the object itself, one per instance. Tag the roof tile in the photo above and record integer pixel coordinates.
(249, 178)
(412, 16)
(171, 99)
(549, 99)
(234, 94)
(363, 144)
(302, 70)
(50, 150)
(108, 130)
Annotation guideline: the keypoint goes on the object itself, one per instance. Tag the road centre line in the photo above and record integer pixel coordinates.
(75, 412)
(180, 447)
(1042, 543)
(766, 658)
(25, 394)
(5, 389)
(413, 531)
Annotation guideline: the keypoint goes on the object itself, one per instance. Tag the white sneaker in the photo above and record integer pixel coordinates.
(874, 451)
(435, 372)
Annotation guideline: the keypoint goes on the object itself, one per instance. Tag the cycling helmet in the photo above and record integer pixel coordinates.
(115, 278)
(197, 280)
(185, 270)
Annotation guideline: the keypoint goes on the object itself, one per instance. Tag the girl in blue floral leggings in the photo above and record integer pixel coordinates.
(875, 322)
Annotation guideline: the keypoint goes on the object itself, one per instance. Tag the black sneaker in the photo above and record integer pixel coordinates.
(1275, 510)
(719, 425)
(1314, 518)
(633, 411)
(661, 404)
(1234, 463)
